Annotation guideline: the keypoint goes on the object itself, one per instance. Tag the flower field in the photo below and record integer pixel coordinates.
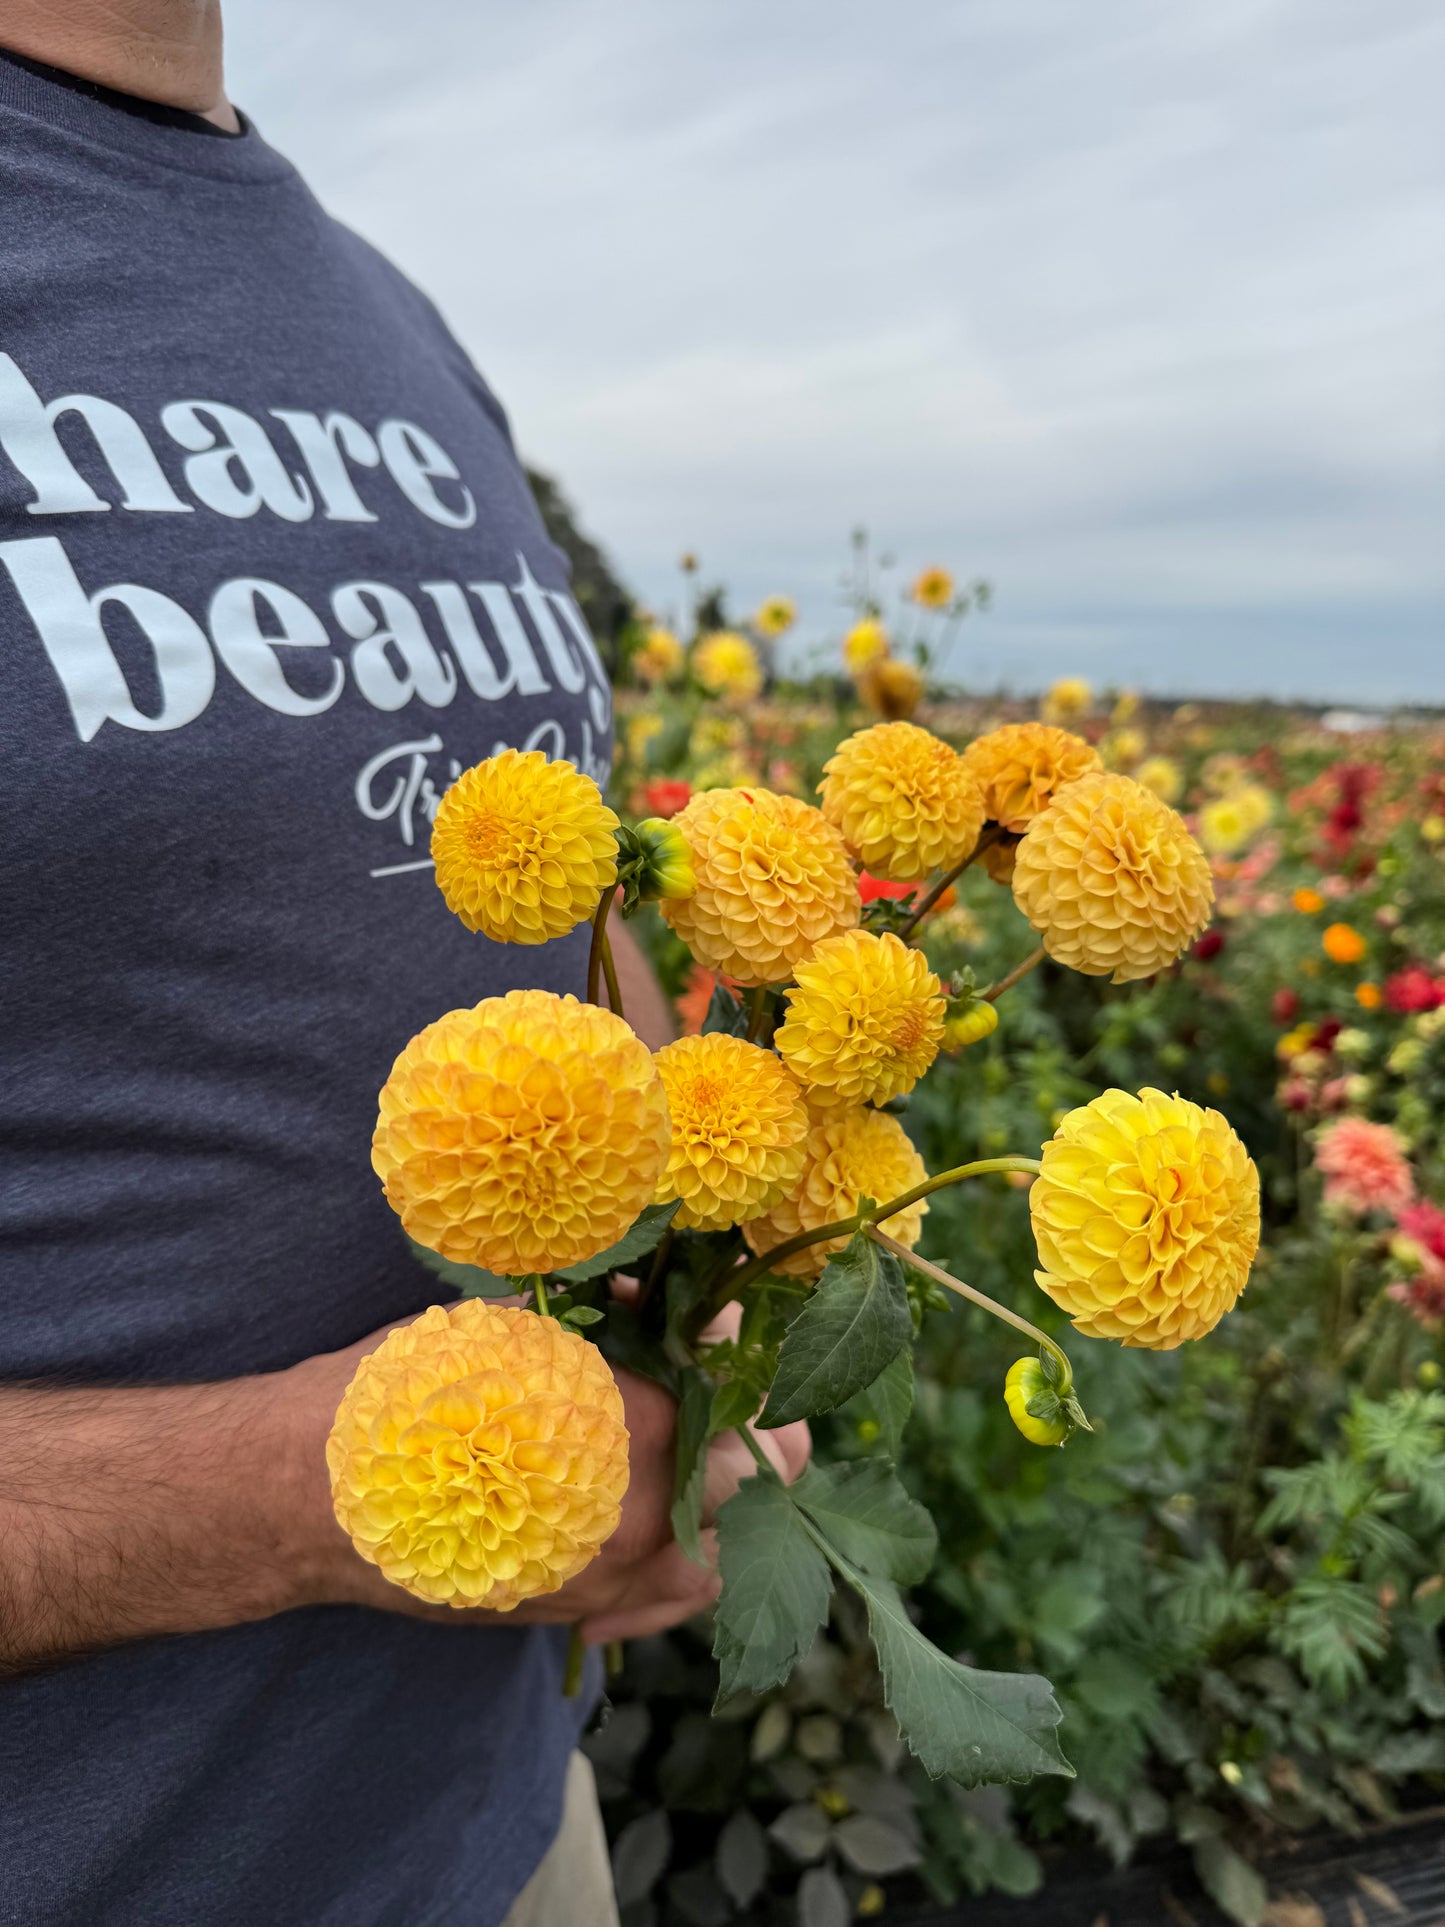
(1233, 1578)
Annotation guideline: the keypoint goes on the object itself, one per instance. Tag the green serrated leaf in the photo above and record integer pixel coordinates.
(640, 1238)
(856, 1322)
(733, 1404)
(775, 1590)
(690, 1463)
(865, 1513)
(880, 1411)
(469, 1280)
(725, 1014)
(980, 1729)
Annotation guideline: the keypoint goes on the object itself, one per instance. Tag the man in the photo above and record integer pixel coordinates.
(270, 576)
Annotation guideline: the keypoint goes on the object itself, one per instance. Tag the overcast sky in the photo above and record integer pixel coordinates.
(1137, 308)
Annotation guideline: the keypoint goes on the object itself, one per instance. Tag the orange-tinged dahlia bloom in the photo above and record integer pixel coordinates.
(933, 589)
(851, 1154)
(523, 1135)
(1364, 1167)
(1343, 944)
(893, 687)
(726, 664)
(523, 847)
(1112, 880)
(864, 1021)
(903, 799)
(1146, 1215)
(773, 880)
(1021, 767)
(479, 1456)
(738, 1125)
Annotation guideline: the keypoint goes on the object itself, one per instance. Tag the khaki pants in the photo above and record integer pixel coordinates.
(573, 1885)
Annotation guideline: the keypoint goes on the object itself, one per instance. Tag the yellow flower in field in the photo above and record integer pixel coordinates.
(851, 1154)
(1068, 700)
(776, 616)
(1123, 748)
(523, 1135)
(1022, 766)
(893, 688)
(479, 1456)
(905, 802)
(1146, 1215)
(933, 589)
(726, 664)
(711, 733)
(1112, 880)
(1343, 944)
(523, 848)
(660, 656)
(1234, 819)
(773, 880)
(1126, 708)
(641, 731)
(865, 642)
(738, 1126)
(1308, 902)
(864, 1021)
(1162, 775)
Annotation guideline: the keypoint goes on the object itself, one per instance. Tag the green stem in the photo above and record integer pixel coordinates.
(980, 1168)
(757, 1013)
(657, 1268)
(614, 1658)
(539, 1297)
(995, 991)
(765, 1464)
(946, 1278)
(576, 1660)
(609, 971)
(986, 841)
(599, 943)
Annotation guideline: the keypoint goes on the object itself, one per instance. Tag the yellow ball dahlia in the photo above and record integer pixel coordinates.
(659, 656)
(1070, 698)
(1112, 880)
(523, 1135)
(773, 880)
(479, 1456)
(850, 1154)
(865, 1020)
(523, 847)
(1146, 1215)
(1022, 766)
(903, 799)
(933, 589)
(738, 1125)
(776, 616)
(726, 664)
(893, 687)
(1162, 775)
(865, 642)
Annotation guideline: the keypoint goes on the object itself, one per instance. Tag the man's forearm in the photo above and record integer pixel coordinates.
(126, 1513)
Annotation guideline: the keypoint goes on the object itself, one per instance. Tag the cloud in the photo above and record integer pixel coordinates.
(1135, 309)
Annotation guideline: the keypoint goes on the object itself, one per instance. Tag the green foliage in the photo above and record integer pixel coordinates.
(855, 1324)
(644, 1235)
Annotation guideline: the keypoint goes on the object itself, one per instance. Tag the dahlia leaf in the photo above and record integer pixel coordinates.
(642, 1236)
(855, 1323)
(976, 1728)
(775, 1587)
(470, 1280)
(882, 1410)
(725, 1013)
(865, 1513)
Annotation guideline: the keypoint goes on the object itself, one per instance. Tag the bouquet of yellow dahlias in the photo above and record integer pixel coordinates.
(533, 1145)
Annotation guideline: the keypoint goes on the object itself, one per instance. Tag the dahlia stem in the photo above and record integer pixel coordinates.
(995, 991)
(986, 841)
(576, 1660)
(599, 943)
(980, 1168)
(757, 1013)
(946, 1278)
(614, 1658)
(609, 971)
(539, 1297)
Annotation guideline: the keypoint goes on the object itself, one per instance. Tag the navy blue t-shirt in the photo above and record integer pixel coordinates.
(270, 576)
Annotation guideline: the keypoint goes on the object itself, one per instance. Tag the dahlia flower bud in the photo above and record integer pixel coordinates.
(523, 847)
(738, 1130)
(864, 1021)
(1026, 1386)
(1146, 1216)
(479, 1456)
(524, 1135)
(903, 800)
(1021, 767)
(654, 864)
(773, 880)
(850, 1154)
(977, 1019)
(1112, 880)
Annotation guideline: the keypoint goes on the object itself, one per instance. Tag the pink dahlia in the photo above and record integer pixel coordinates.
(1424, 1223)
(1364, 1167)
